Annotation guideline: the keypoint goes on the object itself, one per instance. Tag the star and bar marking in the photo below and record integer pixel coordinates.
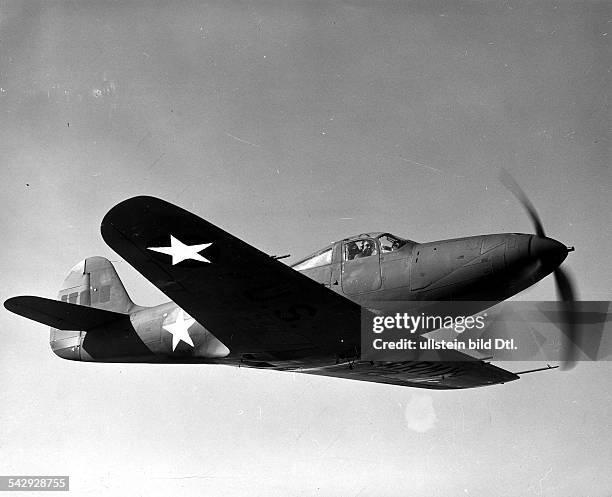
(181, 252)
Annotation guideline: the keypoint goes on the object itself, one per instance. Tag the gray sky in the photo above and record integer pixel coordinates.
(292, 124)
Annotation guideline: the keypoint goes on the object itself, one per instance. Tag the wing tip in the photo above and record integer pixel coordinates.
(13, 303)
(118, 211)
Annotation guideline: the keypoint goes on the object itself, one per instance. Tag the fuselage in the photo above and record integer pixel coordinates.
(477, 268)
(378, 271)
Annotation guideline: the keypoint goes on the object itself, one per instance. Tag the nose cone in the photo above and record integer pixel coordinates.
(550, 252)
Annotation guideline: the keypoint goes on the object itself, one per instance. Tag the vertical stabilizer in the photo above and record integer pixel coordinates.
(94, 282)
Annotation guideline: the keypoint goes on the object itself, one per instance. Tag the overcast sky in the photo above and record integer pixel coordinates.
(292, 124)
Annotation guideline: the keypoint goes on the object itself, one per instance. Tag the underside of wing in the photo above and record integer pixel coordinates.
(420, 374)
(247, 299)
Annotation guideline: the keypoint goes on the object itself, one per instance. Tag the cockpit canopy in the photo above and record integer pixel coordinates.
(368, 244)
(355, 247)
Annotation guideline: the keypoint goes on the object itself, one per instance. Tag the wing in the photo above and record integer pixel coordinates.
(247, 299)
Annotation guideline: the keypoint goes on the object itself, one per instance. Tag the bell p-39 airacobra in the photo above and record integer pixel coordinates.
(235, 305)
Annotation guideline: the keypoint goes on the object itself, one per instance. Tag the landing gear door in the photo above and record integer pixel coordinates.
(360, 266)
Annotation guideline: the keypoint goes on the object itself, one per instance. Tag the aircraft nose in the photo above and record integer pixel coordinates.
(551, 252)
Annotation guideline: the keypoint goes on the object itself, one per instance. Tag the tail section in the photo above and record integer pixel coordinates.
(93, 282)
(91, 298)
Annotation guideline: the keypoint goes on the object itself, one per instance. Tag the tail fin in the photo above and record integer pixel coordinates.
(94, 282)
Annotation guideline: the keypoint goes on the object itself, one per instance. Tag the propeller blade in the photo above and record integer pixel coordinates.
(565, 290)
(510, 183)
(564, 284)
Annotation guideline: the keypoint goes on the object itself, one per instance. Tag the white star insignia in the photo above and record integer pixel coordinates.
(180, 252)
(179, 329)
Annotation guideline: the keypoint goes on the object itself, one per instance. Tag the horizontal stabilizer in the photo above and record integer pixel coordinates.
(61, 315)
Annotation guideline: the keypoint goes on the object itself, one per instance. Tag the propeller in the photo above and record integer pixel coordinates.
(563, 282)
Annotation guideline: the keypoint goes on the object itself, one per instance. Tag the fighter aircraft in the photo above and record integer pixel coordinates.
(235, 305)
